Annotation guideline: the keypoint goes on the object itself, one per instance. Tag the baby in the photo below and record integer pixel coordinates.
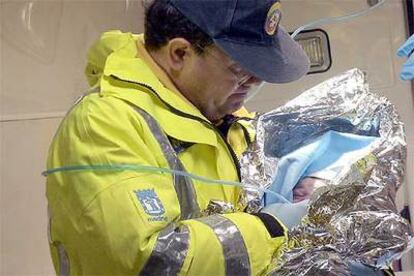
(326, 158)
(304, 189)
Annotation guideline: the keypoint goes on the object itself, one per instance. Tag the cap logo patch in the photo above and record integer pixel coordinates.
(273, 18)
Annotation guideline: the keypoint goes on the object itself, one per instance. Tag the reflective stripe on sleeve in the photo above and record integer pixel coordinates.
(64, 266)
(49, 224)
(169, 253)
(235, 252)
(183, 185)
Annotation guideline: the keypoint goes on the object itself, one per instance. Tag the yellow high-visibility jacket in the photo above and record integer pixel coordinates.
(107, 220)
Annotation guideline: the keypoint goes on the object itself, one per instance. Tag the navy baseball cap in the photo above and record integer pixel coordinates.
(249, 32)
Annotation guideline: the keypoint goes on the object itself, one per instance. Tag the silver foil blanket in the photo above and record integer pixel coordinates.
(354, 217)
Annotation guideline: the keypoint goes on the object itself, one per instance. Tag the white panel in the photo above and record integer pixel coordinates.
(44, 46)
(43, 55)
(24, 244)
(406, 273)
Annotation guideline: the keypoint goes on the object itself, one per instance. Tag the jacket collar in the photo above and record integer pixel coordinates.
(129, 78)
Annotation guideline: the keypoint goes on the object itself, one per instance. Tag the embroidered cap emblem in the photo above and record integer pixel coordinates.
(151, 203)
(273, 18)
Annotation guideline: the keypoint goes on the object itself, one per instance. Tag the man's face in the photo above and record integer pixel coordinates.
(217, 85)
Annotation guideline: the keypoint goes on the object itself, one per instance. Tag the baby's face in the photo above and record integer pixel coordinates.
(304, 189)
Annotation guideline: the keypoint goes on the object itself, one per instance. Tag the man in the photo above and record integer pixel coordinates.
(167, 101)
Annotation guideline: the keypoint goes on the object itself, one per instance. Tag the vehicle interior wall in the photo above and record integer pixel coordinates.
(43, 51)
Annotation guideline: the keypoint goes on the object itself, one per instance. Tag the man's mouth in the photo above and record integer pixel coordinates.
(240, 94)
(243, 89)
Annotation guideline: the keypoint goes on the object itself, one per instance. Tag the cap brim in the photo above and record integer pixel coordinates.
(285, 61)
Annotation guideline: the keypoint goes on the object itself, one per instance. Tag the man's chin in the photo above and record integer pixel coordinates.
(235, 107)
(228, 109)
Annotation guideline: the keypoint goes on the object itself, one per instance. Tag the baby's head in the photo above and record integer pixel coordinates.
(304, 189)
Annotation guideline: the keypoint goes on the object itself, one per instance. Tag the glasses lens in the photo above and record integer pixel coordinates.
(241, 75)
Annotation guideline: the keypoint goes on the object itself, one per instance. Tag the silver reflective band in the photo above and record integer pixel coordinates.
(235, 252)
(183, 185)
(64, 266)
(169, 253)
(49, 225)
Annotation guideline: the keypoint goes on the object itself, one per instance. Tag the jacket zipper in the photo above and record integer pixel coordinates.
(189, 116)
(245, 131)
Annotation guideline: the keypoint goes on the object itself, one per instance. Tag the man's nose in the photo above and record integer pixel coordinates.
(251, 80)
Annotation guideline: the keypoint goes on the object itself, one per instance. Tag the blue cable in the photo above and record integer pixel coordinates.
(145, 168)
(328, 20)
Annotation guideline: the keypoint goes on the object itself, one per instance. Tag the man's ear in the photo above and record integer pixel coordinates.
(179, 51)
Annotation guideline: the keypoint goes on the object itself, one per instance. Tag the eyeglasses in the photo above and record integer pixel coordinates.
(239, 73)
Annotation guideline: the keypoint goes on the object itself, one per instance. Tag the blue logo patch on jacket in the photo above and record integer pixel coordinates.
(151, 204)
